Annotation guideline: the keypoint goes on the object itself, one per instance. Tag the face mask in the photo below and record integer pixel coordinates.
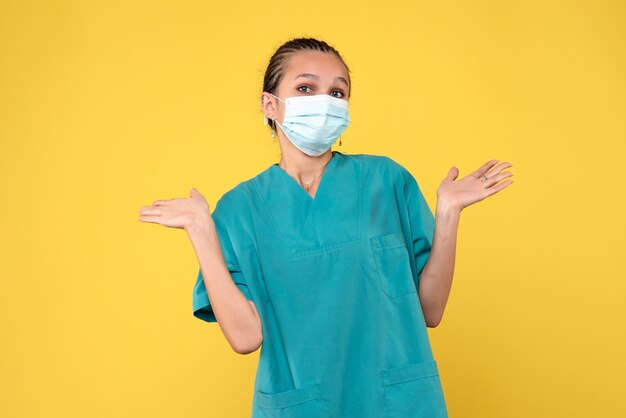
(313, 123)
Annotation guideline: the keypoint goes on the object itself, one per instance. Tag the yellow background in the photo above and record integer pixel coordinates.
(108, 106)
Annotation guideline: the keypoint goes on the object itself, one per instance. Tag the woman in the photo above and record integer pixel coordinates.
(333, 262)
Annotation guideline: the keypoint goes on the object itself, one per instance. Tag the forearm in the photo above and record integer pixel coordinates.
(238, 320)
(436, 279)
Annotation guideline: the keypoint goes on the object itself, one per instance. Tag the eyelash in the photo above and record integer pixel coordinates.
(339, 91)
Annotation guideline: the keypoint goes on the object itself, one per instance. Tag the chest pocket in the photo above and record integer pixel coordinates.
(391, 255)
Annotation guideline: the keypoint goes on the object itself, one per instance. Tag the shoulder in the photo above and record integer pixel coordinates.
(235, 202)
(236, 195)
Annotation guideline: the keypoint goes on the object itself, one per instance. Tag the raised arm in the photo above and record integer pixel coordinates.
(236, 315)
(452, 198)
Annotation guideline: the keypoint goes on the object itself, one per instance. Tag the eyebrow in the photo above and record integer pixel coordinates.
(314, 77)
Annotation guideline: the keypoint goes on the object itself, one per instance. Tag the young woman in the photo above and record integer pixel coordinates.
(332, 262)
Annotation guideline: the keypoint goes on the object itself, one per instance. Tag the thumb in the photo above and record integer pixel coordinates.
(453, 173)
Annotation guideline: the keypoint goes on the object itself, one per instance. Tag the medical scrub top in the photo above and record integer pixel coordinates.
(334, 278)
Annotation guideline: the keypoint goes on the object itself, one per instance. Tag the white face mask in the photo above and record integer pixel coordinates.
(313, 123)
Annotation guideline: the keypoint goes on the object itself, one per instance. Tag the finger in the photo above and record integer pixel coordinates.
(484, 168)
(495, 189)
(453, 173)
(150, 218)
(495, 179)
(495, 170)
(162, 202)
(150, 210)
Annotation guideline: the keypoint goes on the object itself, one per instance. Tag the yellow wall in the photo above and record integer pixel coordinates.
(108, 106)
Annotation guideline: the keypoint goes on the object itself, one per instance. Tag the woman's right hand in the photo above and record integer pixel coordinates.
(180, 213)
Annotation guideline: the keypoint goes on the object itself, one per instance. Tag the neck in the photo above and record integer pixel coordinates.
(304, 168)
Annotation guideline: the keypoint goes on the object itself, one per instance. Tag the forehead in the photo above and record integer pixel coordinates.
(324, 64)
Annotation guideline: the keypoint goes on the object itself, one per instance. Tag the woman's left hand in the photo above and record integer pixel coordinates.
(473, 187)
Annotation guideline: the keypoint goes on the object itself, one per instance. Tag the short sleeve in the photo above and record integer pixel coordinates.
(422, 222)
(200, 302)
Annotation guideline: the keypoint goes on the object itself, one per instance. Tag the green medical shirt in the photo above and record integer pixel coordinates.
(334, 279)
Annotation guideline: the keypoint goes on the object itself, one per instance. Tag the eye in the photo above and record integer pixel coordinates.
(302, 89)
(337, 93)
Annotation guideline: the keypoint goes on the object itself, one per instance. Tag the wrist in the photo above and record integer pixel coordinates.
(446, 209)
(200, 225)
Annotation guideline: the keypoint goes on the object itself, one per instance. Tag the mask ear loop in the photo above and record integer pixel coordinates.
(274, 120)
(265, 121)
(280, 126)
(278, 98)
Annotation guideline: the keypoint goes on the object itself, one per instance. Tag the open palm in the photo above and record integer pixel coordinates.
(176, 213)
(475, 186)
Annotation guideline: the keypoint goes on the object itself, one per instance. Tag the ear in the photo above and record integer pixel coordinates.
(268, 105)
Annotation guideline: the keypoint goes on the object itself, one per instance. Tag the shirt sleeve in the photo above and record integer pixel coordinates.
(200, 302)
(422, 222)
